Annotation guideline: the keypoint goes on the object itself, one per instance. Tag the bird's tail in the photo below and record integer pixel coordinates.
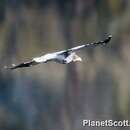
(22, 65)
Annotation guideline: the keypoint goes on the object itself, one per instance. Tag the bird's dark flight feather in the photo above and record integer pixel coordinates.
(93, 44)
(25, 64)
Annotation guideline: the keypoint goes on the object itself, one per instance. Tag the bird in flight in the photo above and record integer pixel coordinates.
(63, 57)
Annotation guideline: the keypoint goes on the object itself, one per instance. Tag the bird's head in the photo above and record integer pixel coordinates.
(77, 58)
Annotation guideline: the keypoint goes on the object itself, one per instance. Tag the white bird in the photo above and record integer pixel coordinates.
(62, 57)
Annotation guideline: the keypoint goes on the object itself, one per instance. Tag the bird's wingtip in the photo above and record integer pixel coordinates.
(108, 38)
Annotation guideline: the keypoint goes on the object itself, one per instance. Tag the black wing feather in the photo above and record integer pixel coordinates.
(21, 65)
(104, 42)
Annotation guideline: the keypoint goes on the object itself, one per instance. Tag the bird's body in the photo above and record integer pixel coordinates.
(62, 57)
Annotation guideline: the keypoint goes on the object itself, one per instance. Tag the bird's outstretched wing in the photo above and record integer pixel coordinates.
(58, 55)
(21, 65)
(93, 44)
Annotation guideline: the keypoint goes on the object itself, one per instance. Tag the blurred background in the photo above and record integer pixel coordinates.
(58, 97)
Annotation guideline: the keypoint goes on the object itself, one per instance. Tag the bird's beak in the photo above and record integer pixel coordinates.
(77, 58)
